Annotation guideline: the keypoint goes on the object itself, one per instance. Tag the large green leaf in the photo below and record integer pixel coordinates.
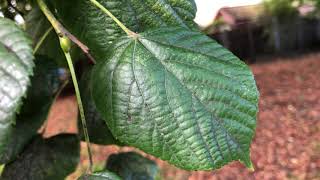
(180, 96)
(16, 65)
(98, 31)
(50, 159)
(133, 166)
(104, 175)
(99, 132)
(14, 136)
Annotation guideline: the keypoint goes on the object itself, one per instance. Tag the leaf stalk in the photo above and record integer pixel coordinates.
(115, 19)
(64, 38)
(40, 42)
(81, 109)
(61, 31)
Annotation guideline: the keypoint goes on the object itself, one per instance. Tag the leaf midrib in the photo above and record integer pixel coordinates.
(218, 120)
(139, 89)
(234, 80)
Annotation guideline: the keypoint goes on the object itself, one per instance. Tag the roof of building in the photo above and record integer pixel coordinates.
(240, 14)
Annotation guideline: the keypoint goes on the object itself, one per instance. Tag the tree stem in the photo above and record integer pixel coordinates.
(54, 22)
(116, 20)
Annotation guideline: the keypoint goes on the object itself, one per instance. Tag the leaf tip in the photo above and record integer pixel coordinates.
(251, 167)
(248, 163)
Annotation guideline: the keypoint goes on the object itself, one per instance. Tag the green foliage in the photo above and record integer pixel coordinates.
(104, 175)
(180, 96)
(132, 166)
(15, 136)
(282, 9)
(45, 159)
(99, 31)
(166, 89)
(16, 67)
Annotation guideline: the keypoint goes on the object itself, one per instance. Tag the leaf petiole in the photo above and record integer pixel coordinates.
(64, 38)
(80, 105)
(115, 19)
(40, 42)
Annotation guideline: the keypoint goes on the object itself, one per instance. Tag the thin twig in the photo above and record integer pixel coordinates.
(64, 38)
(61, 31)
(82, 115)
(40, 42)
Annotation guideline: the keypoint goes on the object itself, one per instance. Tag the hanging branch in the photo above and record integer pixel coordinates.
(65, 37)
(63, 32)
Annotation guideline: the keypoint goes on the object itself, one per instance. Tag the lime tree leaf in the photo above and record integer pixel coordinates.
(133, 166)
(159, 13)
(180, 96)
(45, 159)
(99, 132)
(15, 136)
(16, 65)
(104, 175)
(98, 31)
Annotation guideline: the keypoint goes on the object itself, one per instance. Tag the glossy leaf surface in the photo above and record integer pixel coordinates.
(98, 31)
(133, 166)
(180, 96)
(15, 136)
(16, 66)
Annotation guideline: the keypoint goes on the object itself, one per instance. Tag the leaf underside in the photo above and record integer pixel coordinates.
(16, 65)
(98, 31)
(178, 95)
(132, 166)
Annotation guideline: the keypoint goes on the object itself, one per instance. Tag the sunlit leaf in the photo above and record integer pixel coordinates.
(178, 95)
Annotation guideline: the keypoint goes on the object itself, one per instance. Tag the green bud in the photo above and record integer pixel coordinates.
(65, 44)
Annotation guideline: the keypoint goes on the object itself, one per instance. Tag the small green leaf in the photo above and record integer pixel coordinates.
(16, 65)
(98, 31)
(133, 166)
(99, 132)
(14, 136)
(104, 175)
(45, 159)
(180, 96)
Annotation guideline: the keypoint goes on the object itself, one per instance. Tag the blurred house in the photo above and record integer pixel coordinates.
(237, 28)
(239, 16)
(248, 31)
